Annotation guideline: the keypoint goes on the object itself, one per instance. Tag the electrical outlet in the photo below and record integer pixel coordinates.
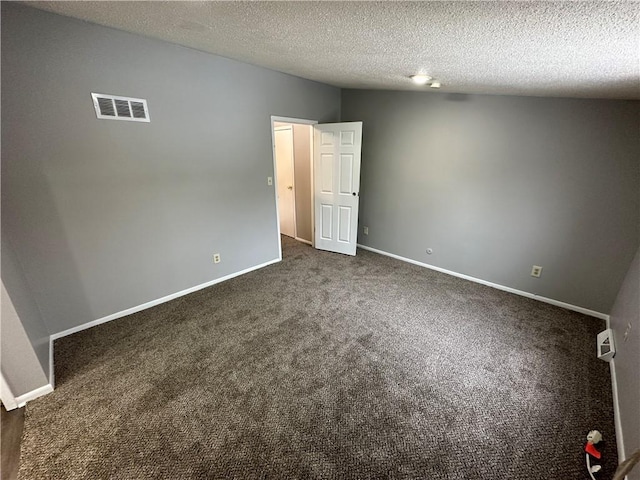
(627, 331)
(536, 271)
(216, 258)
(365, 230)
(269, 180)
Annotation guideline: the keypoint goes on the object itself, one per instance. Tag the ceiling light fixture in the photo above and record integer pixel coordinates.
(420, 79)
(435, 84)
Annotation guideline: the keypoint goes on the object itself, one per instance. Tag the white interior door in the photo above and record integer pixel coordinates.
(284, 180)
(336, 165)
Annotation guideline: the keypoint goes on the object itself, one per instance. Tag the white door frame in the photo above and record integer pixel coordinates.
(303, 121)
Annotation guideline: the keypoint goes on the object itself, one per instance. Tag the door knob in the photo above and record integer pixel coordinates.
(290, 187)
(354, 194)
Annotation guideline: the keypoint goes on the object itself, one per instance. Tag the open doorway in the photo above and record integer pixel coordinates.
(319, 203)
(293, 168)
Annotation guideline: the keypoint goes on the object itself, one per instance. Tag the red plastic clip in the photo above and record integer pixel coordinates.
(591, 450)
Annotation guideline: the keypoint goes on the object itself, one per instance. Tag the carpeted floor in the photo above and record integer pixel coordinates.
(327, 367)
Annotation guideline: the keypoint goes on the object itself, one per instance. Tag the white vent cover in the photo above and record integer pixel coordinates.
(606, 348)
(111, 107)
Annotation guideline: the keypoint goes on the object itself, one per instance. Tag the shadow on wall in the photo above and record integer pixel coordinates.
(628, 86)
(458, 97)
(50, 286)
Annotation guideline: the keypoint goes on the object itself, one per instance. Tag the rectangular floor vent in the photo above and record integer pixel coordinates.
(111, 107)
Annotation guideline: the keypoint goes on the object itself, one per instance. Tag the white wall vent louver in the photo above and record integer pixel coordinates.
(111, 107)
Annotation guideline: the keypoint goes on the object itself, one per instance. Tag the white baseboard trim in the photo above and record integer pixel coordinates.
(153, 303)
(616, 412)
(522, 293)
(622, 456)
(303, 240)
(33, 394)
(6, 395)
(52, 380)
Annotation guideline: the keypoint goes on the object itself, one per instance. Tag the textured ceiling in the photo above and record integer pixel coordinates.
(572, 49)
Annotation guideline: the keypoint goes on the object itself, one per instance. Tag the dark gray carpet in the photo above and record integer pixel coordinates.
(327, 366)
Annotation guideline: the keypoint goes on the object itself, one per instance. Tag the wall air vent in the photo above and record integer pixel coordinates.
(111, 107)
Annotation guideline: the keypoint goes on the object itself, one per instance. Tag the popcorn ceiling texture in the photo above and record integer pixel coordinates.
(571, 49)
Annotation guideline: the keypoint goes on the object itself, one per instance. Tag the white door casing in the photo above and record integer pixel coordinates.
(336, 163)
(284, 180)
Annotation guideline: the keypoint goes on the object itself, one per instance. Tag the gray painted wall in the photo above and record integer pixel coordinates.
(24, 345)
(497, 184)
(302, 158)
(627, 360)
(106, 215)
(20, 366)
